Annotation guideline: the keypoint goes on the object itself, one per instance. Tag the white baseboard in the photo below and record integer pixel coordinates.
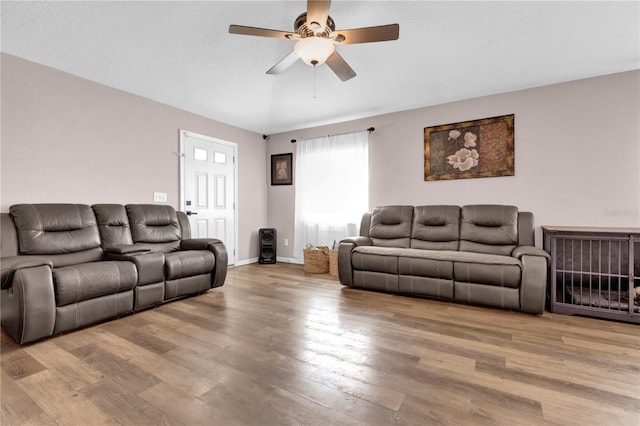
(246, 261)
(290, 260)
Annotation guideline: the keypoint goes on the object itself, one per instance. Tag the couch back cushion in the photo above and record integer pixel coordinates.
(436, 227)
(113, 224)
(55, 228)
(391, 226)
(154, 224)
(489, 229)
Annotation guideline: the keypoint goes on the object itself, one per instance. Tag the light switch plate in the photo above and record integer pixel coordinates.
(159, 197)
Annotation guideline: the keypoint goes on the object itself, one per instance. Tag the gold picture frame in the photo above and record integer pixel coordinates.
(470, 149)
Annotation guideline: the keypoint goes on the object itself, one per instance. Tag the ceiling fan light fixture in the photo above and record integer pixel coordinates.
(314, 50)
(315, 34)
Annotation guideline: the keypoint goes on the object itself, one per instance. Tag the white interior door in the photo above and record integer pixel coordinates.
(208, 188)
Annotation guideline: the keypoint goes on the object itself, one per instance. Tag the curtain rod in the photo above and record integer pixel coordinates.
(370, 130)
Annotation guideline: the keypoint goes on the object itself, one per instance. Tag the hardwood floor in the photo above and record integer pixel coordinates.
(276, 346)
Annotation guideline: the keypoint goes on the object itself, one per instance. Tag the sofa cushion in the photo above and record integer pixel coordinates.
(188, 263)
(89, 280)
(448, 255)
(391, 226)
(489, 229)
(113, 224)
(435, 227)
(152, 223)
(55, 228)
(425, 267)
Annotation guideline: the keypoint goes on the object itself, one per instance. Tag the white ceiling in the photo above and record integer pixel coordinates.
(180, 53)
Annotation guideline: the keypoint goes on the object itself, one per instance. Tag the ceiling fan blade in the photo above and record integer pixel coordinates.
(318, 11)
(285, 63)
(260, 32)
(368, 34)
(339, 66)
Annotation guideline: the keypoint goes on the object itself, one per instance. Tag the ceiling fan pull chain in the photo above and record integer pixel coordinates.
(314, 81)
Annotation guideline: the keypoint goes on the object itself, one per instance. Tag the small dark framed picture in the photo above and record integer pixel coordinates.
(282, 169)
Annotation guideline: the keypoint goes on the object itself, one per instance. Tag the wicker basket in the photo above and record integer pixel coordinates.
(333, 263)
(316, 261)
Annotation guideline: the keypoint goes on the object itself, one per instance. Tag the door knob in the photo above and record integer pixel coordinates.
(189, 212)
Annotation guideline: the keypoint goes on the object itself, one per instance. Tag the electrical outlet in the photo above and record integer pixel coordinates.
(286, 242)
(159, 197)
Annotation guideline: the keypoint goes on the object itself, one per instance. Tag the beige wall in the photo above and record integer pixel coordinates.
(577, 156)
(66, 139)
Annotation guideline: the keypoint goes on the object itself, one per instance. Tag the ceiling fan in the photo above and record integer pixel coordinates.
(316, 37)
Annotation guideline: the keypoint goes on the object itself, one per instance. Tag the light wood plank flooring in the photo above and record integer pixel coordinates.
(276, 346)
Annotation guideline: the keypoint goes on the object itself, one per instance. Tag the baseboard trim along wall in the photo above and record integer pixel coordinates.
(290, 260)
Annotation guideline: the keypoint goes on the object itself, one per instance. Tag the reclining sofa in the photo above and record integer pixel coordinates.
(476, 254)
(66, 266)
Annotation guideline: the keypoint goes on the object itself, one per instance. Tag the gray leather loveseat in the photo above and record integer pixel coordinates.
(477, 254)
(65, 266)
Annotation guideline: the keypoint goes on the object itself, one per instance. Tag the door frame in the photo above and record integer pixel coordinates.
(185, 133)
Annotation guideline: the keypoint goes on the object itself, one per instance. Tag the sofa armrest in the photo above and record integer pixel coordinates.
(358, 241)
(198, 243)
(127, 249)
(345, 270)
(219, 251)
(28, 305)
(9, 265)
(533, 287)
(520, 251)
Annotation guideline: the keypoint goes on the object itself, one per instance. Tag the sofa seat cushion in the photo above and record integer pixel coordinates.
(188, 263)
(85, 281)
(489, 269)
(449, 255)
(422, 267)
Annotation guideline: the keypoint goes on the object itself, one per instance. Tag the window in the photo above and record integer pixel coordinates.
(199, 154)
(331, 188)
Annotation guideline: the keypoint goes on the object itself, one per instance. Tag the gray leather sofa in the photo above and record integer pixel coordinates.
(477, 254)
(66, 266)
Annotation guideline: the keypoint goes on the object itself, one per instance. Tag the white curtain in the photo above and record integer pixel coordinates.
(331, 187)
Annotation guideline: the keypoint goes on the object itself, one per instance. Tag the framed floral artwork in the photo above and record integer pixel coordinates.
(281, 169)
(470, 149)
